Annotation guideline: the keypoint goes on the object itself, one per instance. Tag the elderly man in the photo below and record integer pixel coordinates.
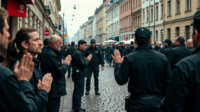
(51, 63)
(190, 46)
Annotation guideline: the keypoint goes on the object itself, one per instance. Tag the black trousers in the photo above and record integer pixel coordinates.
(53, 105)
(95, 71)
(145, 105)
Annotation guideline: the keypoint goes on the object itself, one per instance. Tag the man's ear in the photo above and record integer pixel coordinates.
(196, 36)
(150, 40)
(24, 44)
(135, 41)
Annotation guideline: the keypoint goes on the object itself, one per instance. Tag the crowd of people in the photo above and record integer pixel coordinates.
(32, 78)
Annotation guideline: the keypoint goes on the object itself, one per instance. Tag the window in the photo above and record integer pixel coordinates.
(169, 7)
(151, 15)
(161, 35)
(177, 31)
(169, 33)
(156, 12)
(147, 16)
(178, 6)
(143, 17)
(162, 11)
(187, 32)
(188, 5)
(157, 35)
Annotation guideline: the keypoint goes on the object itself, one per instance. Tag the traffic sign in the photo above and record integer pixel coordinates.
(65, 35)
(46, 32)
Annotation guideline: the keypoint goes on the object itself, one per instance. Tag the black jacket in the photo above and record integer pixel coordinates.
(40, 55)
(51, 63)
(40, 98)
(177, 54)
(147, 71)
(192, 49)
(1, 58)
(159, 49)
(184, 89)
(16, 96)
(112, 49)
(97, 57)
(167, 50)
(80, 63)
(122, 51)
(70, 51)
(130, 50)
(102, 49)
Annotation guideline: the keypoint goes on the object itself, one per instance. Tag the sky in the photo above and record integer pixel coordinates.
(84, 9)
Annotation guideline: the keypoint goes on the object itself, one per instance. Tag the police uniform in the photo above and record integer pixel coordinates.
(97, 59)
(148, 73)
(183, 92)
(192, 49)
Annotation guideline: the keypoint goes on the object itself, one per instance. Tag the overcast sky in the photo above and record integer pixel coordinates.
(84, 9)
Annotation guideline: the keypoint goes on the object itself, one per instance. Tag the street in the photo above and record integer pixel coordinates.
(111, 98)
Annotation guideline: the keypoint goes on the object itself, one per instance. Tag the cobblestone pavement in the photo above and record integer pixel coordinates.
(111, 98)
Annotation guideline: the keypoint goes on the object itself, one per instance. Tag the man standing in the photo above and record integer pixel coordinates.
(183, 92)
(51, 63)
(122, 49)
(112, 52)
(79, 72)
(190, 46)
(46, 43)
(108, 55)
(147, 71)
(102, 50)
(157, 46)
(131, 48)
(179, 52)
(70, 51)
(168, 48)
(93, 67)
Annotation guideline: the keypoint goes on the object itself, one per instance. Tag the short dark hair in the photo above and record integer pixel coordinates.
(72, 43)
(181, 39)
(3, 17)
(142, 41)
(155, 42)
(46, 42)
(81, 42)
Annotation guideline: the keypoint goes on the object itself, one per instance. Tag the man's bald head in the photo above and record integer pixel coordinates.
(55, 42)
(189, 43)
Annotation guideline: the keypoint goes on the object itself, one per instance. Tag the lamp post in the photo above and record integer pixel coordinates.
(64, 22)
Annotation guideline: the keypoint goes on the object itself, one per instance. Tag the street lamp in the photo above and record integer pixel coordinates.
(64, 21)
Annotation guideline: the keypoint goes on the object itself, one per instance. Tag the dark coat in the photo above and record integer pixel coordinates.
(108, 55)
(167, 50)
(159, 49)
(112, 49)
(40, 55)
(40, 99)
(80, 63)
(130, 50)
(147, 71)
(122, 51)
(177, 54)
(70, 51)
(184, 89)
(16, 96)
(192, 49)
(97, 57)
(1, 59)
(51, 63)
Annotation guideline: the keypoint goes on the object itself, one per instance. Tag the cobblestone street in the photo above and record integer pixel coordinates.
(111, 98)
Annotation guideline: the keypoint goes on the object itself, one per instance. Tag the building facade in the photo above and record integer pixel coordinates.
(178, 16)
(125, 19)
(94, 27)
(113, 21)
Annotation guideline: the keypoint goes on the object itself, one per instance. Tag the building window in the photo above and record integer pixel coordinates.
(161, 35)
(169, 6)
(188, 5)
(143, 17)
(177, 31)
(147, 16)
(169, 33)
(151, 15)
(187, 32)
(178, 6)
(162, 11)
(156, 12)
(157, 35)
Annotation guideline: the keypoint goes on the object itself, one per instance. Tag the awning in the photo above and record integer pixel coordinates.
(16, 8)
(28, 1)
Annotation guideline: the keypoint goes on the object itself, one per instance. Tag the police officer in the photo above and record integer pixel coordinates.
(93, 67)
(122, 49)
(131, 48)
(183, 92)
(179, 52)
(168, 47)
(157, 46)
(190, 46)
(147, 71)
(79, 72)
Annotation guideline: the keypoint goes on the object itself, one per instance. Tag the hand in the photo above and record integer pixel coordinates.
(67, 60)
(46, 82)
(117, 57)
(102, 68)
(25, 71)
(89, 57)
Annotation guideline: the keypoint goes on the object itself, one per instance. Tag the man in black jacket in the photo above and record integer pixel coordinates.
(122, 49)
(190, 46)
(131, 48)
(101, 47)
(179, 52)
(93, 67)
(147, 71)
(183, 92)
(51, 63)
(157, 46)
(168, 47)
(46, 43)
(70, 51)
(79, 72)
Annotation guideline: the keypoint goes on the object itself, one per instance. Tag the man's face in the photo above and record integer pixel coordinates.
(108, 45)
(156, 44)
(176, 43)
(122, 44)
(92, 44)
(165, 44)
(83, 47)
(4, 37)
(58, 44)
(132, 45)
(113, 45)
(35, 44)
(100, 45)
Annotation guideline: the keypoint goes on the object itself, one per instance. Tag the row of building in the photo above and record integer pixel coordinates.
(118, 20)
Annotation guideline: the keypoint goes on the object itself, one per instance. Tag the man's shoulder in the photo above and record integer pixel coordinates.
(5, 73)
